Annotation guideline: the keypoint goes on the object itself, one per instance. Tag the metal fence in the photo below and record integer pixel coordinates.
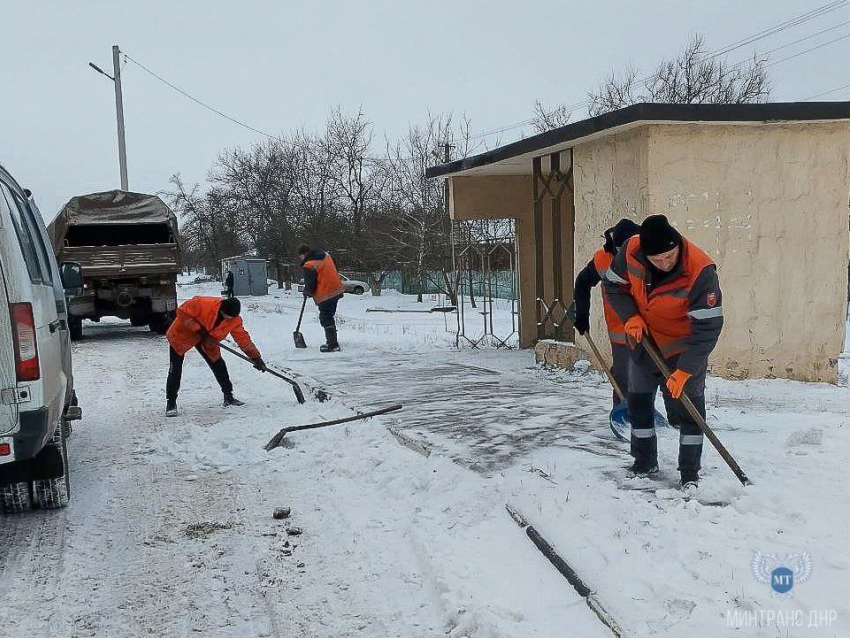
(499, 284)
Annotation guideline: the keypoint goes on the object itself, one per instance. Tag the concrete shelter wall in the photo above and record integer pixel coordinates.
(769, 203)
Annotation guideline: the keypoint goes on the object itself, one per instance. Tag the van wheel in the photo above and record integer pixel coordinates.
(75, 327)
(56, 492)
(14, 498)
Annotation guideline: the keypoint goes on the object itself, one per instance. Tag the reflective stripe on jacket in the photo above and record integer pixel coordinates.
(684, 313)
(602, 261)
(328, 282)
(201, 313)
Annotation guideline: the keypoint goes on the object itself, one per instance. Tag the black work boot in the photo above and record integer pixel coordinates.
(690, 479)
(229, 400)
(171, 408)
(643, 470)
(332, 344)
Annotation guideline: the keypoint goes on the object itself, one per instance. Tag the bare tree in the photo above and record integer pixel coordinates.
(208, 231)
(546, 119)
(694, 76)
(349, 140)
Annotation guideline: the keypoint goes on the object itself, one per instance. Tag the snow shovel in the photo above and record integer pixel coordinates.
(655, 355)
(297, 336)
(299, 395)
(618, 418)
(278, 438)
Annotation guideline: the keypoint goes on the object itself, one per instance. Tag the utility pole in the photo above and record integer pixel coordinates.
(119, 109)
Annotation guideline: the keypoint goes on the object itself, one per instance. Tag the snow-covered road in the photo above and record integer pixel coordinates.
(170, 533)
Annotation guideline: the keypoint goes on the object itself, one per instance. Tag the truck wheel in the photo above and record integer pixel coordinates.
(14, 498)
(158, 324)
(56, 492)
(75, 327)
(138, 320)
(358, 290)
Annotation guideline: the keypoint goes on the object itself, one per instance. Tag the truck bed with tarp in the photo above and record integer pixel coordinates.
(129, 249)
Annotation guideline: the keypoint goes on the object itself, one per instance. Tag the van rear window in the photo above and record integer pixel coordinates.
(25, 239)
(118, 234)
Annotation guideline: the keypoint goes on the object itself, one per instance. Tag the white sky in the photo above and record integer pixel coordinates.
(278, 65)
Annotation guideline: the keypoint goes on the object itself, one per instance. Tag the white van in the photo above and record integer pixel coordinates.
(37, 399)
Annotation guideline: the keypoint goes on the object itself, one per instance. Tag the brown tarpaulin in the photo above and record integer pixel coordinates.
(110, 207)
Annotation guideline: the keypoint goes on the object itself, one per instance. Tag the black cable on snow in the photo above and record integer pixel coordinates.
(566, 571)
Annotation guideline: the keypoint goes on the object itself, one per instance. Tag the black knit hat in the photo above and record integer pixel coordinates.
(231, 307)
(623, 230)
(303, 249)
(658, 236)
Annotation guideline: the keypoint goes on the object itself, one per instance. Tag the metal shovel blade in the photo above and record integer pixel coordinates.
(298, 338)
(619, 420)
(622, 428)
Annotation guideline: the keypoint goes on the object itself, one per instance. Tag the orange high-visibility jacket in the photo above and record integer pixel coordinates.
(328, 282)
(201, 313)
(602, 261)
(684, 313)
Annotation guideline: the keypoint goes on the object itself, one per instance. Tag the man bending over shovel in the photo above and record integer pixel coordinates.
(201, 323)
(662, 285)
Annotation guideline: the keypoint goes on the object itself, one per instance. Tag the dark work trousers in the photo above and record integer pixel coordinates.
(620, 369)
(644, 379)
(175, 373)
(327, 310)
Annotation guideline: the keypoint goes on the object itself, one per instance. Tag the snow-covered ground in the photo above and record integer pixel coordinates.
(170, 532)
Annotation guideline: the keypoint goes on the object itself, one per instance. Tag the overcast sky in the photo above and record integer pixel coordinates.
(278, 65)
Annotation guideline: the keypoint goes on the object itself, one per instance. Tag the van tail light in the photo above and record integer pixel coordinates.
(26, 343)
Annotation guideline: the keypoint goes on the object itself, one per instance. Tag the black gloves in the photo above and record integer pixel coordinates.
(581, 320)
(259, 364)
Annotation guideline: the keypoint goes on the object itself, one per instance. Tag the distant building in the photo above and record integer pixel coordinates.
(763, 188)
(250, 275)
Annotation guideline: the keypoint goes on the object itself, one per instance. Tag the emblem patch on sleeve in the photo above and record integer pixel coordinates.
(711, 299)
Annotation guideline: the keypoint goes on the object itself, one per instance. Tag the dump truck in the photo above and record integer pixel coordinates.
(128, 246)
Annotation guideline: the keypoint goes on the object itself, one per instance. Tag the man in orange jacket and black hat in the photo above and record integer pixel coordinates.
(664, 286)
(201, 323)
(323, 283)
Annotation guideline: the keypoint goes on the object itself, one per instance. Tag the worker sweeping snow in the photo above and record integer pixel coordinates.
(662, 285)
(201, 323)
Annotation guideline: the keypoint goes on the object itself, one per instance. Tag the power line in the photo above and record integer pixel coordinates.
(796, 55)
(782, 26)
(808, 37)
(838, 88)
(203, 104)
(233, 119)
(778, 28)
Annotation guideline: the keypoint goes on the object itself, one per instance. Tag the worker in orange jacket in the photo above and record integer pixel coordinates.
(661, 284)
(323, 283)
(201, 323)
(579, 312)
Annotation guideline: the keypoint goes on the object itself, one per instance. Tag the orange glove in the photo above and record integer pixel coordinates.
(676, 382)
(635, 328)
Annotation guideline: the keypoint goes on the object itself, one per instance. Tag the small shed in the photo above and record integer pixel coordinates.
(250, 275)
(762, 188)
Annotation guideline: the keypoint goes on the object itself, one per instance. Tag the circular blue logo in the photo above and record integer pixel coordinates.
(782, 580)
